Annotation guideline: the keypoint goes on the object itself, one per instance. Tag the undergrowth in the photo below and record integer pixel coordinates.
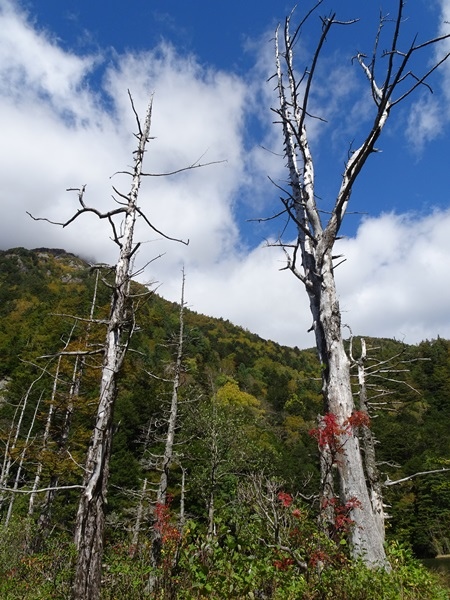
(218, 569)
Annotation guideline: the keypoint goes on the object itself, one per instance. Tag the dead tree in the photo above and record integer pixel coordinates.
(12, 442)
(44, 520)
(47, 428)
(142, 498)
(120, 326)
(161, 495)
(90, 517)
(23, 453)
(165, 461)
(90, 520)
(368, 441)
(310, 257)
(373, 377)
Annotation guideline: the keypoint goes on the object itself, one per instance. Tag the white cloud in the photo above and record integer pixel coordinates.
(250, 290)
(32, 61)
(393, 284)
(425, 122)
(198, 114)
(57, 134)
(394, 281)
(430, 114)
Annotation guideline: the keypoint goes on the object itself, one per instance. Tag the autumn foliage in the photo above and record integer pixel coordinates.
(329, 431)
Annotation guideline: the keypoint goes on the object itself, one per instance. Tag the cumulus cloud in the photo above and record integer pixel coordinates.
(60, 136)
(392, 284)
(60, 132)
(430, 114)
(31, 60)
(425, 122)
(394, 281)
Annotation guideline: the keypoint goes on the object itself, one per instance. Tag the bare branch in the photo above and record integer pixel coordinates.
(48, 489)
(190, 168)
(80, 211)
(389, 482)
(421, 80)
(167, 237)
(265, 219)
(138, 121)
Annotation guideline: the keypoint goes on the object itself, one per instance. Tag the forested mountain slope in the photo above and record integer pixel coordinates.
(46, 301)
(246, 407)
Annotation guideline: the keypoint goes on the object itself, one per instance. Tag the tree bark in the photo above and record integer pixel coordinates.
(91, 514)
(315, 242)
(366, 539)
(172, 423)
(368, 443)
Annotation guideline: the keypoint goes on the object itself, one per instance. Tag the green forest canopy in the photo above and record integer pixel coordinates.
(254, 399)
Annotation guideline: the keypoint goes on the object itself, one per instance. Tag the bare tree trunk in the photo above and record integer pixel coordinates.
(366, 539)
(368, 442)
(172, 423)
(44, 520)
(142, 498)
(138, 522)
(315, 243)
(21, 461)
(384, 370)
(182, 516)
(12, 441)
(46, 437)
(6, 465)
(211, 510)
(161, 494)
(327, 487)
(91, 518)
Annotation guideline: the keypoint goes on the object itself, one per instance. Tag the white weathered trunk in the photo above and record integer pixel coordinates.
(45, 439)
(90, 517)
(138, 521)
(12, 440)
(366, 538)
(172, 423)
(368, 443)
(314, 245)
(44, 520)
(161, 493)
(21, 461)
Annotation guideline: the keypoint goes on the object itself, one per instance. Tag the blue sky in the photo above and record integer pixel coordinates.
(226, 36)
(65, 119)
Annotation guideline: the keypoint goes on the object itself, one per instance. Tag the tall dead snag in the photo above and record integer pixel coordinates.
(165, 461)
(311, 258)
(90, 520)
(368, 441)
(90, 517)
(374, 376)
(161, 495)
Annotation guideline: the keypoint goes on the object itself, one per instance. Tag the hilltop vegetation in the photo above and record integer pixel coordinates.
(245, 477)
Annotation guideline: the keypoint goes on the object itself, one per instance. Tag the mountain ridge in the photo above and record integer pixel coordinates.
(46, 298)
